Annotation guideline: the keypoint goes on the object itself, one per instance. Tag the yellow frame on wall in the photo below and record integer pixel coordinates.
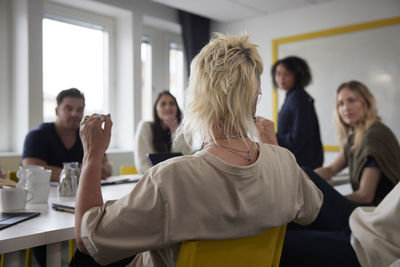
(320, 34)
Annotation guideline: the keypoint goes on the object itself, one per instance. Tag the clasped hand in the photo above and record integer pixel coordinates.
(171, 123)
(266, 131)
(95, 138)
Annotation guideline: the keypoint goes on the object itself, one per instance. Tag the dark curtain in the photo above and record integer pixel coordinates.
(196, 34)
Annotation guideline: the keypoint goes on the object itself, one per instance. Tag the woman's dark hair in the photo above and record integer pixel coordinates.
(162, 138)
(298, 67)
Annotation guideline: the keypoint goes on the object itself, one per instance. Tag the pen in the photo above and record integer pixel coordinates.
(64, 209)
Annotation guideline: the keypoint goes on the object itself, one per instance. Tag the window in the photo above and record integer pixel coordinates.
(75, 54)
(176, 72)
(146, 79)
(162, 67)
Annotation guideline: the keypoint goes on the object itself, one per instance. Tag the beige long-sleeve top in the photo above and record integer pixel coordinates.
(376, 231)
(144, 146)
(200, 197)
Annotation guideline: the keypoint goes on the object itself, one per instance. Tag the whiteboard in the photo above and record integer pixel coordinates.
(370, 56)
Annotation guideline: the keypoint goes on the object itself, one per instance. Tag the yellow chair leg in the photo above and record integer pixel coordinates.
(71, 249)
(28, 258)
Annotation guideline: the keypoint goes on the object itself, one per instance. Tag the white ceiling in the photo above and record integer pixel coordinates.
(232, 10)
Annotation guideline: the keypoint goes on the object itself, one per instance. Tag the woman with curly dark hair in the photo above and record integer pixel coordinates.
(298, 127)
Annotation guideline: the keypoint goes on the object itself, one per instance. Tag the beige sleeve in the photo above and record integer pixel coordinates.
(376, 231)
(143, 146)
(125, 227)
(309, 200)
(180, 145)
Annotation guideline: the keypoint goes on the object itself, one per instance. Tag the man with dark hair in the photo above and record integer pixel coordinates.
(51, 144)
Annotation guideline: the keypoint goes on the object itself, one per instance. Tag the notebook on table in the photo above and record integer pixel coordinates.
(10, 218)
(156, 158)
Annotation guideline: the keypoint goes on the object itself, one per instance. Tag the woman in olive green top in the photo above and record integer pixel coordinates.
(345, 234)
(370, 149)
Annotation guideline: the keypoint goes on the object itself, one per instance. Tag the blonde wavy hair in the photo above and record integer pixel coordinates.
(370, 116)
(223, 87)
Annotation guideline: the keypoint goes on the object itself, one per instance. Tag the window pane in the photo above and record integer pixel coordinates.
(176, 73)
(146, 81)
(73, 56)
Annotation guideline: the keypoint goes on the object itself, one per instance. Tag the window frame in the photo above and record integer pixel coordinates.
(145, 101)
(179, 46)
(160, 40)
(96, 21)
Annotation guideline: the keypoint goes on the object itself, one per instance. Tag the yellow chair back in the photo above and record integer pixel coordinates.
(260, 250)
(12, 175)
(123, 170)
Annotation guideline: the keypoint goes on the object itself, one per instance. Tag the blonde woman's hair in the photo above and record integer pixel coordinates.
(370, 116)
(223, 86)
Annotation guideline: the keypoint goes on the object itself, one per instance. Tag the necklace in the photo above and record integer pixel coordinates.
(230, 137)
(235, 151)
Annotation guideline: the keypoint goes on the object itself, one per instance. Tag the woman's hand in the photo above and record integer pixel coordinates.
(171, 123)
(266, 131)
(95, 139)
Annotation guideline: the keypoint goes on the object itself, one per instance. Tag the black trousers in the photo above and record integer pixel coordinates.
(78, 260)
(40, 255)
(325, 242)
(83, 260)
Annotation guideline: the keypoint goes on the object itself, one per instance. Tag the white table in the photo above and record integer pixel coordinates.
(341, 183)
(50, 228)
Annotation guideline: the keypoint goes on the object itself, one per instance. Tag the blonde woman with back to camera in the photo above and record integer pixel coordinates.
(232, 188)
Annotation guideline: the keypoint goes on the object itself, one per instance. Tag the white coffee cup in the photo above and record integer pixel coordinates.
(23, 173)
(38, 176)
(40, 192)
(14, 198)
(38, 182)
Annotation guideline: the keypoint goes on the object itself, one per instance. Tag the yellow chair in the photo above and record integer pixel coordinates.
(71, 249)
(12, 175)
(123, 170)
(260, 250)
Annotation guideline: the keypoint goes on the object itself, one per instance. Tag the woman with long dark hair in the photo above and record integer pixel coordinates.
(158, 136)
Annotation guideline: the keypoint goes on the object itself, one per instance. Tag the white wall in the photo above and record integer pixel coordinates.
(4, 74)
(263, 30)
